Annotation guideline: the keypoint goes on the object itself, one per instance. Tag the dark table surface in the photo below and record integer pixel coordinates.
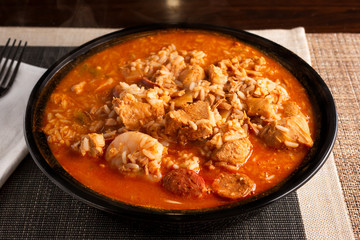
(317, 16)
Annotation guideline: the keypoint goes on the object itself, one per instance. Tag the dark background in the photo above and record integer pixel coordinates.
(322, 16)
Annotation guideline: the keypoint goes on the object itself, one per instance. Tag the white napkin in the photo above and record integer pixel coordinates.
(12, 107)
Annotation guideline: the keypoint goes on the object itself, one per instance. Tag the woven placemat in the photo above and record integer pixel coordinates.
(336, 57)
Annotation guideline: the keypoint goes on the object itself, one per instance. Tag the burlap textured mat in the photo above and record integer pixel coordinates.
(336, 57)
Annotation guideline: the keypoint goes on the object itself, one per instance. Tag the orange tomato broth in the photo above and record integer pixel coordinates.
(265, 166)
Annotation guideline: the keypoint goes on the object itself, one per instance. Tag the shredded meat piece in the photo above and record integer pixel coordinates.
(233, 186)
(293, 128)
(234, 152)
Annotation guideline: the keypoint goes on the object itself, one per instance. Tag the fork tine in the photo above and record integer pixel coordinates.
(7, 81)
(6, 61)
(3, 50)
(11, 80)
(4, 83)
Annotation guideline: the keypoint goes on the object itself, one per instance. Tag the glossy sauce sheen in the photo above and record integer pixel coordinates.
(266, 166)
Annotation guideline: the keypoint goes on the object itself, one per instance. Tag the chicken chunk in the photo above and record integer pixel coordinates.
(199, 110)
(234, 152)
(290, 109)
(289, 131)
(174, 120)
(133, 113)
(190, 124)
(201, 131)
(260, 107)
(216, 75)
(92, 144)
(191, 74)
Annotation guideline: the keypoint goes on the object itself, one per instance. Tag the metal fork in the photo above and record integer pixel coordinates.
(8, 72)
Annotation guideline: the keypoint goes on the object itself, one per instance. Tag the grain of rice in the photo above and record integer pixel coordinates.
(202, 94)
(146, 169)
(196, 94)
(133, 166)
(172, 202)
(131, 157)
(233, 137)
(241, 95)
(202, 121)
(192, 85)
(49, 116)
(148, 154)
(193, 125)
(57, 111)
(282, 128)
(237, 111)
(106, 109)
(109, 134)
(291, 144)
(149, 144)
(58, 115)
(142, 142)
(112, 114)
(65, 121)
(255, 73)
(269, 177)
(57, 134)
(172, 106)
(124, 157)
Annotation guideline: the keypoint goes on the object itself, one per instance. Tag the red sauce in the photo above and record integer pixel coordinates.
(266, 166)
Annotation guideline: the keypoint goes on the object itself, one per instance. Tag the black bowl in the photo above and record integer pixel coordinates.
(320, 96)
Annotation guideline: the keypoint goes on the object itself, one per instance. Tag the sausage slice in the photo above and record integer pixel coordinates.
(185, 183)
(233, 185)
